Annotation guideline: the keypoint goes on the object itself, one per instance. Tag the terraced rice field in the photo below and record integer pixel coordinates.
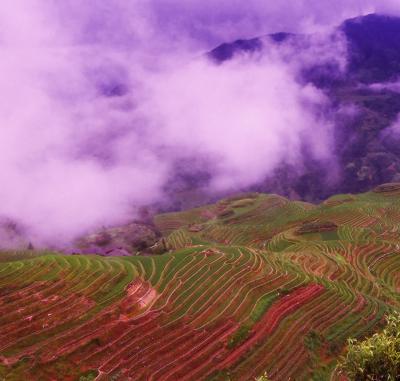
(251, 284)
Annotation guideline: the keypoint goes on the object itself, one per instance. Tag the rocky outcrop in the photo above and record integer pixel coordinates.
(316, 227)
(131, 239)
(388, 188)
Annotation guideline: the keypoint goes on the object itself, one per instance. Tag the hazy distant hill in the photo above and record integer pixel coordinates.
(373, 42)
(374, 47)
(367, 155)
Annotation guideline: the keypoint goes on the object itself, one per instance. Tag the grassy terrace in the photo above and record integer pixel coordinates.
(251, 284)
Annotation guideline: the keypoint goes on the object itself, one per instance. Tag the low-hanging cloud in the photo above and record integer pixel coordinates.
(101, 99)
(248, 116)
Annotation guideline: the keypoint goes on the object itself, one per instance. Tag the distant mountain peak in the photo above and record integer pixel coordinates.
(367, 157)
(374, 47)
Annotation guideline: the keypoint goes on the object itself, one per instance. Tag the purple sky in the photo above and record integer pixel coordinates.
(203, 23)
(72, 158)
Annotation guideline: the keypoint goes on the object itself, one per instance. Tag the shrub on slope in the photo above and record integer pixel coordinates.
(376, 358)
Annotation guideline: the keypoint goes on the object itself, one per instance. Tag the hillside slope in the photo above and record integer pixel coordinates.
(364, 98)
(250, 284)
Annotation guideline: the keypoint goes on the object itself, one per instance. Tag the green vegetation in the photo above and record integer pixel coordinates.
(239, 336)
(313, 341)
(244, 330)
(376, 358)
(264, 377)
(89, 376)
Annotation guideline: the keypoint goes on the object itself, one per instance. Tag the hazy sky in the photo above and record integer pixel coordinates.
(206, 22)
